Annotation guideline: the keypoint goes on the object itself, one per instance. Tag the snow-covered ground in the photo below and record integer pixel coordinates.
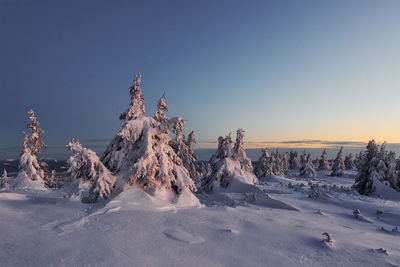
(276, 223)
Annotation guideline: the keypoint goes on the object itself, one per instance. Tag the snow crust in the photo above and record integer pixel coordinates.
(274, 223)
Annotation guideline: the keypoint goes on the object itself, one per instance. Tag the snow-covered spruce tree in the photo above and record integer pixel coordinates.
(358, 160)
(228, 165)
(86, 166)
(323, 162)
(338, 164)
(239, 152)
(184, 149)
(136, 107)
(264, 166)
(392, 175)
(293, 160)
(307, 170)
(28, 163)
(5, 181)
(368, 171)
(349, 162)
(142, 155)
(277, 164)
(303, 158)
(285, 163)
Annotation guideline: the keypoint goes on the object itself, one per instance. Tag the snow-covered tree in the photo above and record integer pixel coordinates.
(303, 158)
(136, 107)
(349, 162)
(142, 151)
(293, 160)
(184, 150)
(323, 162)
(5, 181)
(53, 179)
(227, 164)
(392, 175)
(239, 152)
(85, 165)
(368, 172)
(161, 107)
(307, 169)
(32, 145)
(264, 165)
(358, 160)
(338, 164)
(285, 163)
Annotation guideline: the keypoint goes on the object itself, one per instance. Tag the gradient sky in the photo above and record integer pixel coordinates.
(282, 70)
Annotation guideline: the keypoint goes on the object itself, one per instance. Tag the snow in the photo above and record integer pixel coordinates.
(268, 224)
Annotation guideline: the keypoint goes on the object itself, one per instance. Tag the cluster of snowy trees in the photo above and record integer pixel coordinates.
(375, 165)
(152, 153)
(272, 163)
(229, 162)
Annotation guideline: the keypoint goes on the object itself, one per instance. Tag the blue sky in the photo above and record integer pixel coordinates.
(282, 70)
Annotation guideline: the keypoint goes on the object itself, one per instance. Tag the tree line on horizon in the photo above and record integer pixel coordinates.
(143, 154)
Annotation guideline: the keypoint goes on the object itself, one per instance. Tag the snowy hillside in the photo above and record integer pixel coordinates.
(276, 223)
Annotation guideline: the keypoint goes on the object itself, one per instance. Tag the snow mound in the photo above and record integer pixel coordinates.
(137, 199)
(385, 191)
(23, 182)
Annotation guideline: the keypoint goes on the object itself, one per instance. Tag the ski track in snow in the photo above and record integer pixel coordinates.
(283, 228)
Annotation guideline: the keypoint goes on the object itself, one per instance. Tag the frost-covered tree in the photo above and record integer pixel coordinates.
(303, 158)
(323, 162)
(338, 164)
(392, 175)
(86, 166)
(358, 160)
(307, 169)
(136, 107)
(285, 163)
(239, 152)
(5, 181)
(53, 179)
(228, 165)
(142, 151)
(293, 160)
(368, 172)
(264, 165)
(349, 162)
(161, 107)
(184, 150)
(32, 145)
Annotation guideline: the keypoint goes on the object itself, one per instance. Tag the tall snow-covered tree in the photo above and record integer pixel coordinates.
(239, 152)
(32, 145)
(136, 107)
(86, 166)
(228, 165)
(184, 150)
(323, 162)
(161, 107)
(303, 158)
(368, 172)
(285, 163)
(338, 164)
(294, 161)
(142, 151)
(349, 162)
(307, 169)
(5, 181)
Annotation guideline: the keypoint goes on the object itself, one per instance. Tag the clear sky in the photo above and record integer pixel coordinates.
(282, 70)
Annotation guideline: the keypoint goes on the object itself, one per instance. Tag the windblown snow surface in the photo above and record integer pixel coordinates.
(276, 223)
